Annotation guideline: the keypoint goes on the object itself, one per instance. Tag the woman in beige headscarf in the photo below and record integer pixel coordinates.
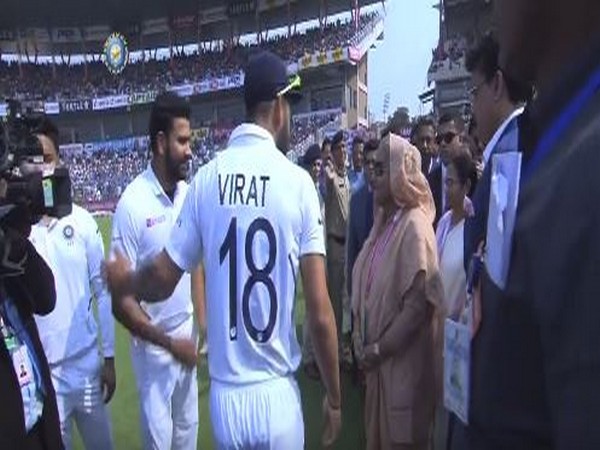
(396, 291)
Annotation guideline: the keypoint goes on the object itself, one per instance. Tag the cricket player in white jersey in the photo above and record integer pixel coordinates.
(253, 218)
(83, 373)
(164, 344)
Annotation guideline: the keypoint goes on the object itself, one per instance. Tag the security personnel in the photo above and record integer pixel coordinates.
(337, 206)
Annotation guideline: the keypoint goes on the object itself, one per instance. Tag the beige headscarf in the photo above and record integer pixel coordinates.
(408, 185)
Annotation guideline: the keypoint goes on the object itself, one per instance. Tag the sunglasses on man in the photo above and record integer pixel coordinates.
(446, 138)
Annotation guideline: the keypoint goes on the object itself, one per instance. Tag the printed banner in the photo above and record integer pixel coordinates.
(113, 101)
(241, 8)
(97, 33)
(323, 58)
(66, 35)
(155, 26)
(184, 90)
(67, 149)
(51, 108)
(210, 15)
(184, 22)
(6, 35)
(140, 98)
(75, 105)
(265, 5)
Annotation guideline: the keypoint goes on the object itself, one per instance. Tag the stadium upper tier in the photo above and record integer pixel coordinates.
(61, 26)
(60, 82)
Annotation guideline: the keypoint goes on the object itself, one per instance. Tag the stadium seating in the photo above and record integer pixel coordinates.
(100, 171)
(47, 82)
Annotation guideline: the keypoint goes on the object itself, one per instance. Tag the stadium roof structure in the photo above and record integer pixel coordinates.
(68, 25)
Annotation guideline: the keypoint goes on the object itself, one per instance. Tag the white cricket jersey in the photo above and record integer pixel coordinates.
(142, 225)
(250, 215)
(72, 247)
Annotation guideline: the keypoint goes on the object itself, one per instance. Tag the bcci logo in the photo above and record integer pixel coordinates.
(68, 233)
(115, 54)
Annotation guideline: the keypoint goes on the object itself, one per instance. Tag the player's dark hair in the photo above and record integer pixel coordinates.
(326, 141)
(45, 126)
(484, 57)
(371, 145)
(166, 108)
(465, 169)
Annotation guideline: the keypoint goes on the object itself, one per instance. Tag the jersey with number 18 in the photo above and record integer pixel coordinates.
(249, 216)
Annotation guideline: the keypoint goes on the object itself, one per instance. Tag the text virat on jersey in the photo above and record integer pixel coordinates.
(240, 189)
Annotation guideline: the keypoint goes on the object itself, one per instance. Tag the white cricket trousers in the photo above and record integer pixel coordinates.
(80, 399)
(168, 394)
(259, 416)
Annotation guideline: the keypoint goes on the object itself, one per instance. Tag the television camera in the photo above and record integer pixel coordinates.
(27, 184)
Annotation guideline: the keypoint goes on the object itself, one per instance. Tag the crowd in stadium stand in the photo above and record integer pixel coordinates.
(63, 81)
(100, 174)
(449, 52)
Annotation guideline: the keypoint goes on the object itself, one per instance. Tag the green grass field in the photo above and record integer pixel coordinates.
(124, 405)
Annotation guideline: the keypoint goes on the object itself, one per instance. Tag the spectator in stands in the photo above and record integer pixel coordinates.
(449, 141)
(55, 82)
(396, 291)
(423, 137)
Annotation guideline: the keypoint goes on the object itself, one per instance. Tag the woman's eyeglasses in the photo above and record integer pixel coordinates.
(377, 167)
(446, 138)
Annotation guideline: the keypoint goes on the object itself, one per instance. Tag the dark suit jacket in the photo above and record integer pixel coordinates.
(476, 226)
(434, 178)
(32, 293)
(535, 378)
(359, 227)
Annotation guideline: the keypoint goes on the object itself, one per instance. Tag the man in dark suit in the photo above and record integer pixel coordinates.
(497, 102)
(423, 137)
(361, 213)
(28, 416)
(449, 141)
(535, 359)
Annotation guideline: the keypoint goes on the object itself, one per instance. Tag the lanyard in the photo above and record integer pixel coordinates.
(562, 123)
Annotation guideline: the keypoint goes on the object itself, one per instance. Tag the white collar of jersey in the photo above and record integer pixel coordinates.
(156, 186)
(250, 130)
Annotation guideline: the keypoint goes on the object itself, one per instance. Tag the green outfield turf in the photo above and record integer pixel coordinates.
(124, 406)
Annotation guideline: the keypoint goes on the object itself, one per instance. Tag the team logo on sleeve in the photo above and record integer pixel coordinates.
(115, 53)
(68, 234)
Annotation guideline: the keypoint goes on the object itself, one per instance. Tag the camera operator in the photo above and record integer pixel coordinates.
(28, 416)
(83, 379)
